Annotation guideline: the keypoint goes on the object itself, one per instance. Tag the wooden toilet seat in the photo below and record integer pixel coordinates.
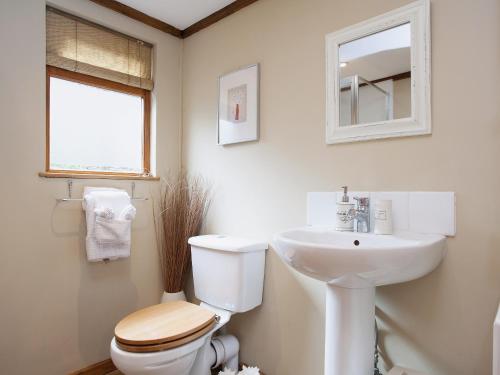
(164, 326)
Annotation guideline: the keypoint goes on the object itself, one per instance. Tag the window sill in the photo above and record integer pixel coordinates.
(115, 176)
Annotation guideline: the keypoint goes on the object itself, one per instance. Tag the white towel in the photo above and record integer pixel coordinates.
(109, 216)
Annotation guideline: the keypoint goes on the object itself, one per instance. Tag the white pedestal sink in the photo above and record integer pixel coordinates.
(352, 265)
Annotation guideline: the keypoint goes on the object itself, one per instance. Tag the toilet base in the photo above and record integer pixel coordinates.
(177, 361)
(193, 358)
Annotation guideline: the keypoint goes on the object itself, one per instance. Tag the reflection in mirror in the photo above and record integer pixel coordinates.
(375, 77)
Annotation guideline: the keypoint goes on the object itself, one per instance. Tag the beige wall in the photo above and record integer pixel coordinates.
(373, 104)
(402, 98)
(440, 323)
(57, 311)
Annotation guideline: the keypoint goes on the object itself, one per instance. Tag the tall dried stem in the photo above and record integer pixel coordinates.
(184, 202)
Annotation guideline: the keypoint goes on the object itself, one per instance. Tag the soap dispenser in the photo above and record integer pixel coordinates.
(344, 216)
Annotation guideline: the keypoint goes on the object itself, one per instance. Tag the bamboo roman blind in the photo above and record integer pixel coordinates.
(81, 46)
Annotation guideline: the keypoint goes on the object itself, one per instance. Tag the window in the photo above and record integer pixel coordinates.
(96, 125)
(98, 100)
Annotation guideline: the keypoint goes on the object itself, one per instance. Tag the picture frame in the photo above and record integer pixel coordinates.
(238, 112)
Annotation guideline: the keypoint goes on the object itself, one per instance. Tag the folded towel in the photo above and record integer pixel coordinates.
(106, 213)
(109, 232)
(128, 213)
(109, 216)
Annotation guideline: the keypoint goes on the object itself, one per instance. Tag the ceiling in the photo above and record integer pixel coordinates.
(178, 13)
(379, 55)
(393, 38)
(379, 65)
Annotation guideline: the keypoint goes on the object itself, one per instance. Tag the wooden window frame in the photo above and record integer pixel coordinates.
(53, 72)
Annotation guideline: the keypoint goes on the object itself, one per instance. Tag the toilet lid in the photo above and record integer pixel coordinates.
(173, 322)
(165, 345)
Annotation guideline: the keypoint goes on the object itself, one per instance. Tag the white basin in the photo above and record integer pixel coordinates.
(355, 260)
(352, 265)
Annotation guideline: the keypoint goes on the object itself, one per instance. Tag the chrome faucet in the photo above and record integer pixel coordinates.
(361, 214)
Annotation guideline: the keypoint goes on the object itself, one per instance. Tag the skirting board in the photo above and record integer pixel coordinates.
(100, 368)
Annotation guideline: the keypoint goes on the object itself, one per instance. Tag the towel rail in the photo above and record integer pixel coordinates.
(70, 198)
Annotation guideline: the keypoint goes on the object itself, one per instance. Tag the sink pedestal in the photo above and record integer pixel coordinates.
(352, 264)
(350, 331)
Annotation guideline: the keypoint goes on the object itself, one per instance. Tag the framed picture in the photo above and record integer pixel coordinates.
(239, 106)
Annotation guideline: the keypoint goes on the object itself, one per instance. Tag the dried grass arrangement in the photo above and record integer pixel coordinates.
(183, 205)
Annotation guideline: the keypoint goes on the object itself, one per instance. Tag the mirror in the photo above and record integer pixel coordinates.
(375, 77)
(378, 77)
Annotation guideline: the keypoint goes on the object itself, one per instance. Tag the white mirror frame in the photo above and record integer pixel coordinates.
(418, 14)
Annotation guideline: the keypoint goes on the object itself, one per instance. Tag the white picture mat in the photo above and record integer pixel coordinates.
(231, 132)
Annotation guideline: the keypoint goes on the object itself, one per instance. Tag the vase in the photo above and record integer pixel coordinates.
(168, 297)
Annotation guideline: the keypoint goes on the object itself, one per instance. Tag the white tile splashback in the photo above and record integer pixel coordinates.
(321, 208)
(432, 213)
(422, 212)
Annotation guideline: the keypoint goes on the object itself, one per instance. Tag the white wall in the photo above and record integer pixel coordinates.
(57, 311)
(440, 323)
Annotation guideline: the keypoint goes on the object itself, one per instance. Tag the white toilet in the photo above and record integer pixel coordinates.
(177, 338)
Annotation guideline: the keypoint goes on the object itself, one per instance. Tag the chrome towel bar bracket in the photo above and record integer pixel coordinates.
(70, 198)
